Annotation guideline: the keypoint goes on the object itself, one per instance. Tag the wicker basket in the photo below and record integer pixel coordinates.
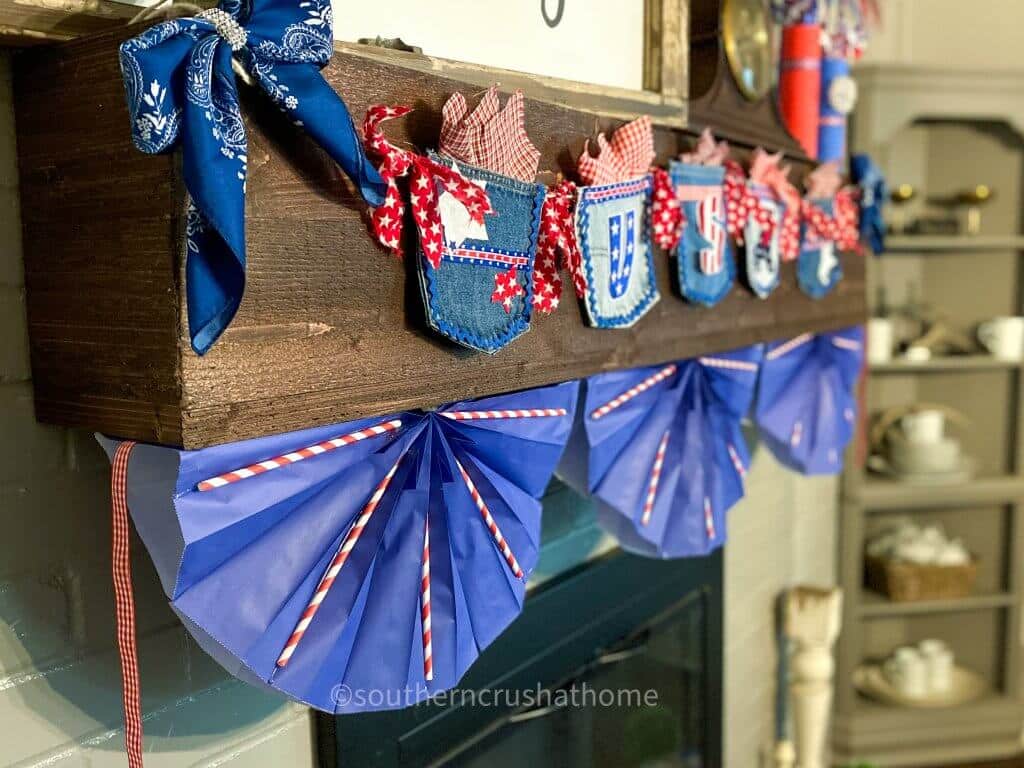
(904, 582)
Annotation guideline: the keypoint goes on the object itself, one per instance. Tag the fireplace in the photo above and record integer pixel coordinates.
(615, 662)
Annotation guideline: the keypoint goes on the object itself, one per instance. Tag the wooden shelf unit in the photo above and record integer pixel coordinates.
(984, 628)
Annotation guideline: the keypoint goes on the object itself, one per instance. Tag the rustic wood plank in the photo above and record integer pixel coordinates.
(329, 328)
(31, 22)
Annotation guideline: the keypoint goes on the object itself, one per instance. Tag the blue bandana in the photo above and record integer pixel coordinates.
(874, 194)
(180, 84)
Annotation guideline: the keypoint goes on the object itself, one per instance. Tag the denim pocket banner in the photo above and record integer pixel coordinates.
(704, 257)
(481, 294)
(615, 251)
(818, 270)
(763, 253)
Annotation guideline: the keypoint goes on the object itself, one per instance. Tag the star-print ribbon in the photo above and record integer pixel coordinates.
(181, 92)
(842, 227)
(557, 247)
(424, 175)
(667, 217)
(741, 204)
(766, 169)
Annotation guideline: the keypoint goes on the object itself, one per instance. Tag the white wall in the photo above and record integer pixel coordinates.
(783, 533)
(955, 34)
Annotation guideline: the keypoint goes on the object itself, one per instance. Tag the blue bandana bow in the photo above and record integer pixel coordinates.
(180, 84)
(874, 194)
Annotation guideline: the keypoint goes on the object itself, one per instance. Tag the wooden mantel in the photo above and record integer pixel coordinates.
(330, 327)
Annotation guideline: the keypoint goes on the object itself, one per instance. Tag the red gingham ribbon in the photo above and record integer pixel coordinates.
(841, 228)
(124, 604)
(667, 217)
(557, 237)
(423, 174)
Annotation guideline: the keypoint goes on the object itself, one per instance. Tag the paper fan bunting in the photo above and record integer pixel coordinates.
(662, 450)
(358, 566)
(806, 405)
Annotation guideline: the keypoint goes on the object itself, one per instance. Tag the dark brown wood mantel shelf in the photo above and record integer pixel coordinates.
(330, 328)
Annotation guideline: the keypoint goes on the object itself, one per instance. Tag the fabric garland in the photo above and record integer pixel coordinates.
(557, 248)
(181, 91)
(424, 173)
(667, 217)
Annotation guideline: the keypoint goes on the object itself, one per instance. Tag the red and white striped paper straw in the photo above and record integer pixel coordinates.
(632, 392)
(736, 462)
(532, 413)
(428, 646)
(652, 484)
(789, 346)
(295, 456)
(725, 362)
(489, 521)
(347, 545)
(798, 433)
(709, 518)
(851, 345)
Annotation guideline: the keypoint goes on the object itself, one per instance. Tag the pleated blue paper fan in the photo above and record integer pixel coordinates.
(662, 451)
(806, 403)
(358, 566)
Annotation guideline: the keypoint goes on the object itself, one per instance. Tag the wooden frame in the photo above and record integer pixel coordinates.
(665, 72)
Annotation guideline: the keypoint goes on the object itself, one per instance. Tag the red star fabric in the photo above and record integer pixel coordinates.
(557, 236)
(424, 175)
(740, 202)
(841, 228)
(667, 217)
(506, 288)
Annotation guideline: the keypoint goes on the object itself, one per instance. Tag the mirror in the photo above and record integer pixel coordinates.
(748, 46)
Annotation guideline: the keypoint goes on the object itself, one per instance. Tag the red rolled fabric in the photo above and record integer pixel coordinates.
(800, 83)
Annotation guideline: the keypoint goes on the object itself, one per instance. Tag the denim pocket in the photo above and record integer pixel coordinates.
(762, 250)
(612, 231)
(817, 269)
(704, 257)
(481, 296)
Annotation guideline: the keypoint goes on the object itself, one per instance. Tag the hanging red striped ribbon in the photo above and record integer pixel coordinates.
(490, 522)
(327, 580)
(124, 603)
(295, 456)
(632, 392)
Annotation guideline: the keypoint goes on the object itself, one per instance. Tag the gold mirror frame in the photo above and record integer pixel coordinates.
(738, 42)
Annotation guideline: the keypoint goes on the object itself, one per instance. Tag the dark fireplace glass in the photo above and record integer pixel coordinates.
(639, 705)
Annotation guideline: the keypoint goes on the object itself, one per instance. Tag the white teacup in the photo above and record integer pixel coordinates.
(907, 671)
(924, 427)
(1003, 337)
(880, 340)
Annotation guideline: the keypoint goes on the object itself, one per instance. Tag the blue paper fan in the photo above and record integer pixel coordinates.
(358, 566)
(806, 405)
(662, 450)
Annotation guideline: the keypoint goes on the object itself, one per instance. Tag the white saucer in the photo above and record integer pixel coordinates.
(961, 474)
(967, 686)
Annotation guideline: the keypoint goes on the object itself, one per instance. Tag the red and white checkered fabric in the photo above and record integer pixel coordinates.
(490, 137)
(667, 217)
(124, 604)
(424, 176)
(557, 248)
(629, 154)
